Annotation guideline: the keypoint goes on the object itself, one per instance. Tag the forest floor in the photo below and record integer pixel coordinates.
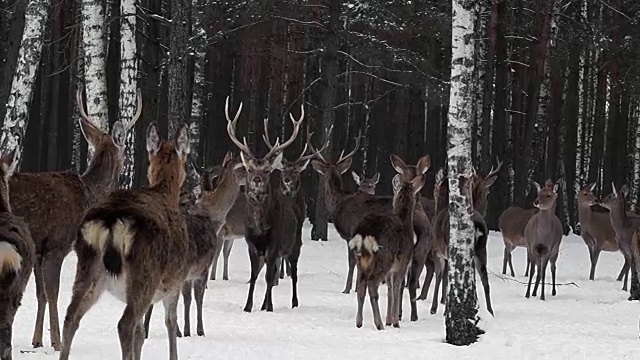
(592, 320)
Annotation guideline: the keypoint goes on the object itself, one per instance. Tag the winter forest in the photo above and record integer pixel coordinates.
(366, 140)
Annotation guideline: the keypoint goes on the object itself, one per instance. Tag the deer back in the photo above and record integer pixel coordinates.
(512, 222)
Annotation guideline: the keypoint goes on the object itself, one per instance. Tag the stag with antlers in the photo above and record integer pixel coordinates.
(271, 218)
(53, 203)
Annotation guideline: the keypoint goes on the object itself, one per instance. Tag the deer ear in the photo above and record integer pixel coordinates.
(319, 167)
(576, 188)
(91, 133)
(396, 183)
(376, 178)
(398, 164)
(536, 185)
(417, 183)
(182, 141)
(624, 190)
(592, 186)
(344, 165)
(153, 139)
(119, 134)
(555, 188)
(488, 182)
(439, 175)
(8, 163)
(356, 178)
(424, 164)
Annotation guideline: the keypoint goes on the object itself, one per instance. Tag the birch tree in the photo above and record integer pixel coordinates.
(95, 57)
(128, 84)
(461, 312)
(14, 126)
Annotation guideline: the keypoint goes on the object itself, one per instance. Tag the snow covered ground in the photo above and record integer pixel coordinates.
(592, 321)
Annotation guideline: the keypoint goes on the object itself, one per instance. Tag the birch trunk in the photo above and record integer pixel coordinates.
(128, 84)
(95, 57)
(636, 164)
(462, 309)
(17, 108)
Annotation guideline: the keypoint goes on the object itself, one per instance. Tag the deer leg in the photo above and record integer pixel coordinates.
(216, 255)
(186, 298)
(445, 281)
(543, 273)
(227, 252)
(529, 265)
(626, 268)
(352, 265)
(398, 287)
(127, 330)
(198, 290)
(390, 299)
(429, 265)
(282, 268)
(481, 266)
(271, 275)
(538, 277)
(254, 258)
(505, 257)
(293, 261)
(414, 274)
(89, 284)
(276, 279)
(553, 277)
(439, 271)
(170, 303)
(402, 286)
(595, 254)
(361, 289)
(530, 278)
(374, 297)
(42, 303)
(51, 266)
(622, 270)
(139, 339)
(147, 320)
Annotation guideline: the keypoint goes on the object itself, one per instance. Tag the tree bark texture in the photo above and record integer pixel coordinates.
(128, 84)
(94, 37)
(178, 64)
(462, 309)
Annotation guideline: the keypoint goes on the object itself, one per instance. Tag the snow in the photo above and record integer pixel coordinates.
(592, 321)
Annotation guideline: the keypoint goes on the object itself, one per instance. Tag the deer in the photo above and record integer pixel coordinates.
(543, 235)
(135, 244)
(596, 229)
(383, 244)
(625, 224)
(512, 222)
(367, 186)
(17, 256)
(204, 217)
(53, 203)
(271, 219)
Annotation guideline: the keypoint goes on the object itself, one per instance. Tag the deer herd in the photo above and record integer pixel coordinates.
(153, 244)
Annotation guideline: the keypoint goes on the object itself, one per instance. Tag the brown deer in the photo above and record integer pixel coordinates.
(512, 222)
(135, 245)
(17, 255)
(53, 203)
(271, 219)
(367, 186)
(625, 224)
(543, 235)
(596, 229)
(383, 244)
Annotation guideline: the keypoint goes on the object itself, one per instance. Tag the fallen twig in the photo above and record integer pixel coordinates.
(504, 278)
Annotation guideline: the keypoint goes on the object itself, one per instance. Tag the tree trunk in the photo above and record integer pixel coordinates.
(17, 113)
(128, 84)
(328, 84)
(462, 308)
(94, 32)
(12, 27)
(178, 64)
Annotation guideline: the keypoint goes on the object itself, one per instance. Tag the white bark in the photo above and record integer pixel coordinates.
(17, 114)
(128, 84)
(76, 158)
(636, 165)
(461, 310)
(95, 58)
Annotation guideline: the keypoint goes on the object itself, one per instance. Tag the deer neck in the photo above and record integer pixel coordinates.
(102, 174)
(584, 213)
(548, 213)
(403, 207)
(219, 201)
(618, 216)
(259, 212)
(5, 206)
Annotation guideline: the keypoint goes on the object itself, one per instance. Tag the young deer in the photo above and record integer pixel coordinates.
(543, 235)
(512, 222)
(271, 220)
(383, 244)
(53, 203)
(135, 245)
(625, 224)
(596, 229)
(367, 186)
(17, 255)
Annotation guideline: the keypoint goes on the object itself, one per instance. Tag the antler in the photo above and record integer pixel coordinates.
(274, 149)
(355, 148)
(83, 113)
(231, 129)
(136, 116)
(315, 151)
(493, 172)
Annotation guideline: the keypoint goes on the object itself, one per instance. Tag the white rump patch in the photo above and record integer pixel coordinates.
(355, 243)
(370, 244)
(415, 238)
(123, 236)
(10, 259)
(95, 234)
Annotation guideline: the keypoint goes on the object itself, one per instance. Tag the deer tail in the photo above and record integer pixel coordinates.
(540, 249)
(10, 258)
(114, 241)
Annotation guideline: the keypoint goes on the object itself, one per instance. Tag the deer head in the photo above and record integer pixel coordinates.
(481, 187)
(546, 196)
(467, 187)
(407, 191)
(167, 159)
(441, 190)
(106, 147)
(408, 172)
(367, 186)
(617, 198)
(585, 195)
(259, 170)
